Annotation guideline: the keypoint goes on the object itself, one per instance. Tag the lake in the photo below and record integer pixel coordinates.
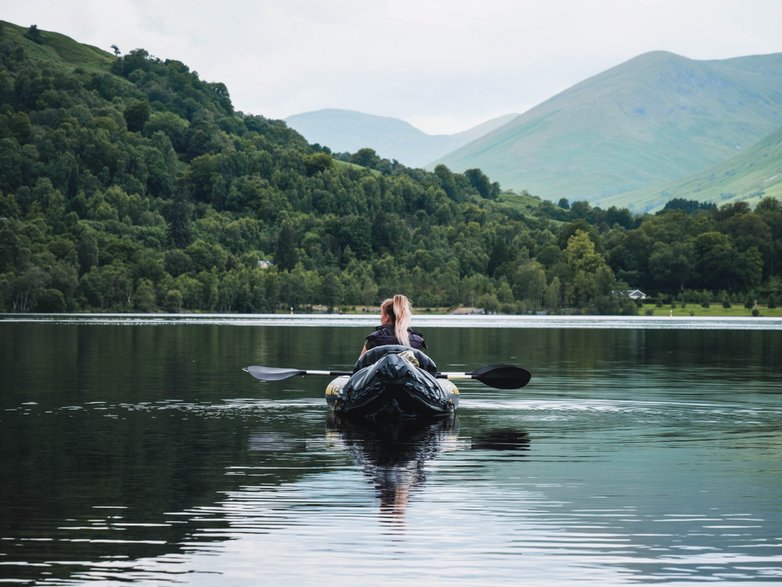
(134, 449)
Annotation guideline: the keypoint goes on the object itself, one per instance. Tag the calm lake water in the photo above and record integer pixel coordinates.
(138, 451)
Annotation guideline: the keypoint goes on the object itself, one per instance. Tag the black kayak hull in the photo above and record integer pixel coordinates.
(394, 386)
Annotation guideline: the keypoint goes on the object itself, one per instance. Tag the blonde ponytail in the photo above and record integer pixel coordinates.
(403, 315)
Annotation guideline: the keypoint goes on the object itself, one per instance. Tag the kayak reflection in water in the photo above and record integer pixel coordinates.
(393, 454)
(395, 316)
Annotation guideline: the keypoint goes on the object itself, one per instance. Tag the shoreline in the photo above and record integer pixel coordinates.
(421, 320)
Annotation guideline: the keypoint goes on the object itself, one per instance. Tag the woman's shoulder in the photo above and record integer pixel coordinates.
(416, 339)
(380, 330)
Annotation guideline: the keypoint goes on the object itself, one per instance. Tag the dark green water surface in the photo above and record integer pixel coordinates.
(142, 453)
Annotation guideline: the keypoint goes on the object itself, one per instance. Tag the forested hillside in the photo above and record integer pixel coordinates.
(129, 184)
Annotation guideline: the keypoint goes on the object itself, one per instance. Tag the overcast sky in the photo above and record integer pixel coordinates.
(442, 65)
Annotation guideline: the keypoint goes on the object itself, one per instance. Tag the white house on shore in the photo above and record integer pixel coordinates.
(633, 294)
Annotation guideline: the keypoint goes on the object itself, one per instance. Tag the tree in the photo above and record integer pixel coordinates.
(571, 228)
(179, 214)
(11, 164)
(619, 216)
(505, 293)
(355, 232)
(580, 253)
(609, 295)
(27, 288)
(136, 115)
(552, 298)
(688, 206)
(388, 231)
(332, 290)
(177, 262)
(52, 301)
(529, 284)
(489, 303)
(171, 124)
(109, 287)
(206, 256)
(317, 162)
(587, 266)
(173, 301)
(64, 277)
(144, 298)
(34, 34)
(447, 180)
(628, 253)
(287, 255)
(87, 251)
(670, 265)
(11, 245)
(192, 292)
(482, 184)
(366, 158)
(751, 230)
(719, 265)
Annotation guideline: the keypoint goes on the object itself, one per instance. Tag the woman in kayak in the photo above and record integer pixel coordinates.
(395, 317)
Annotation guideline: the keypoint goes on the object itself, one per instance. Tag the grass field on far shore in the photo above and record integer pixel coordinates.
(713, 311)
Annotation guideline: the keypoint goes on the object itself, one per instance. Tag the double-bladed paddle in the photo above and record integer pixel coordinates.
(497, 376)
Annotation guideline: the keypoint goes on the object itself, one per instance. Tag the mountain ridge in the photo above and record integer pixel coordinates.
(343, 130)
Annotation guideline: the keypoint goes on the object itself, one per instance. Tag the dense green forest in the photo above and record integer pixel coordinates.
(129, 184)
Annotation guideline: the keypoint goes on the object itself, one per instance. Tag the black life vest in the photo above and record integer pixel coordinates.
(384, 335)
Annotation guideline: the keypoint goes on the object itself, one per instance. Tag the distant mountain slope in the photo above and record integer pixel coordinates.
(749, 176)
(655, 118)
(392, 138)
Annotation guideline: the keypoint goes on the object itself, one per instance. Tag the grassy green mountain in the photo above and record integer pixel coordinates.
(750, 176)
(392, 138)
(655, 118)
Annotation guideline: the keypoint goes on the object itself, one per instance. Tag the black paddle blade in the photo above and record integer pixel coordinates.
(272, 373)
(502, 376)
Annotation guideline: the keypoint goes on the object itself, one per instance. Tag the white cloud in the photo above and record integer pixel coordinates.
(442, 65)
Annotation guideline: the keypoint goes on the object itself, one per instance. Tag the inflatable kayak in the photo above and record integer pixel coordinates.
(393, 381)
(397, 381)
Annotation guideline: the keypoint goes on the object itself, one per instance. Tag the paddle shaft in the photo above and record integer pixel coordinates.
(454, 375)
(498, 376)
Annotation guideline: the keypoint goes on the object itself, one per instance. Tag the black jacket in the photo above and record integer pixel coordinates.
(385, 335)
